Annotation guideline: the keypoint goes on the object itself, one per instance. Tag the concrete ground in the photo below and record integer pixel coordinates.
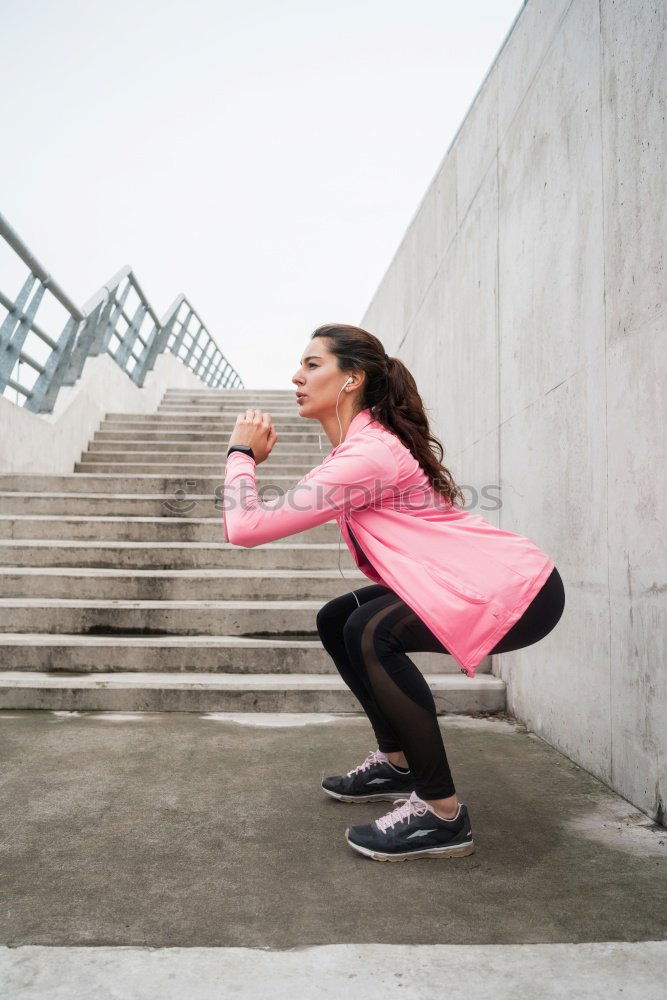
(190, 831)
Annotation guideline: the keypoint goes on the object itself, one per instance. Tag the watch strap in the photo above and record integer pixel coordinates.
(245, 448)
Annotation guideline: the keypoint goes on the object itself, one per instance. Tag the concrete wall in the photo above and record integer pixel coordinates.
(528, 299)
(52, 443)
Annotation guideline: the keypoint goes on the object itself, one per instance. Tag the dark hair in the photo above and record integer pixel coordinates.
(390, 393)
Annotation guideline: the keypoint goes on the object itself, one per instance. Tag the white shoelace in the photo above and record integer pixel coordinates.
(414, 806)
(374, 757)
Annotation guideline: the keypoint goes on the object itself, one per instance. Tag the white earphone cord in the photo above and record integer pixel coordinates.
(341, 520)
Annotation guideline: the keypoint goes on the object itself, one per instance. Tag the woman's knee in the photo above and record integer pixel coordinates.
(324, 621)
(331, 617)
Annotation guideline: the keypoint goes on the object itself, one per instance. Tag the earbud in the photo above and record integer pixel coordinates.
(341, 437)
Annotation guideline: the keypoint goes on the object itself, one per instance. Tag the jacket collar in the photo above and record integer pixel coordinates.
(358, 422)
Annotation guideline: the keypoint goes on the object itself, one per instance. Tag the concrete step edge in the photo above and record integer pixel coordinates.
(218, 681)
(216, 573)
(32, 603)
(139, 642)
(64, 543)
(100, 454)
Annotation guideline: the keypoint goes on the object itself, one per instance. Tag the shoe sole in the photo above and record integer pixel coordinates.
(453, 851)
(374, 797)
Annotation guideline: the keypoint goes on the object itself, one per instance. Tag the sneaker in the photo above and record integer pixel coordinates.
(413, 830)
(375, 779)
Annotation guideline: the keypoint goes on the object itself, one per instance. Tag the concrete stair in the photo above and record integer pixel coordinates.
(119, 591)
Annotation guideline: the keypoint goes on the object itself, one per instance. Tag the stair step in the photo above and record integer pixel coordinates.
(214, 456)
(228, 584)
(285, 408)
(132, 526)
(282, 619)
(64, 552)
(283, 398)
(211, 437)
(291, 452)
(118, 505)
(165, 468)
(247, 395)
(216, 692)
(217, 653)
(132, 483)
(186, 420)
(295, 429)
(216, 436)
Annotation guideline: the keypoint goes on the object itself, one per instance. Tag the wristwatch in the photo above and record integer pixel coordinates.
(245, 448)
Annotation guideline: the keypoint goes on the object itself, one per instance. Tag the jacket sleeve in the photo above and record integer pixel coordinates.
(352, 477)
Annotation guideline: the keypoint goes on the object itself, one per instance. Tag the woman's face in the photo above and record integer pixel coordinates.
(318, 380)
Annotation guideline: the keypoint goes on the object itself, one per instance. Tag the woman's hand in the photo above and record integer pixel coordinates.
(255, 429)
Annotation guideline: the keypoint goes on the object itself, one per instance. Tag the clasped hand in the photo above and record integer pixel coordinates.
(255, 429)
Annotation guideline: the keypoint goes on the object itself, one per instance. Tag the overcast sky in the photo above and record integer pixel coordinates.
(264, 157)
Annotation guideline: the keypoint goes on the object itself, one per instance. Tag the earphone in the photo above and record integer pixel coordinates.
(319, 435)
(350, 379)
(341, 520)
(337, 417)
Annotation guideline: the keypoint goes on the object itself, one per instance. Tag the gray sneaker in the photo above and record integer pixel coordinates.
(375, 778)
(413, 830)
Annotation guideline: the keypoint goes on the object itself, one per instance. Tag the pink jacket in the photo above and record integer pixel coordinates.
(466, 579)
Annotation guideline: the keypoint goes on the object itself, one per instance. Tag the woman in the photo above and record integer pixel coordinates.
(445, 581)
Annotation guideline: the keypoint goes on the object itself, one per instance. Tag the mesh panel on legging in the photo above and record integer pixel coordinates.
(331, 620)
(402, 712)
(375, 636)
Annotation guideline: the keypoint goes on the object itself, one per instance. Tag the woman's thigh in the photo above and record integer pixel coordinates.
(412, 634)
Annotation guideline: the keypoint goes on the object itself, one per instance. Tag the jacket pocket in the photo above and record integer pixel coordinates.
(456, 587)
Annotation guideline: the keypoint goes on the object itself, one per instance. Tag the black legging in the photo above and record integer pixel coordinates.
(368, 644)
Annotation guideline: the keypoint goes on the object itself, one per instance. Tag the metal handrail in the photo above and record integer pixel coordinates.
(25, 253)
(132, 334)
